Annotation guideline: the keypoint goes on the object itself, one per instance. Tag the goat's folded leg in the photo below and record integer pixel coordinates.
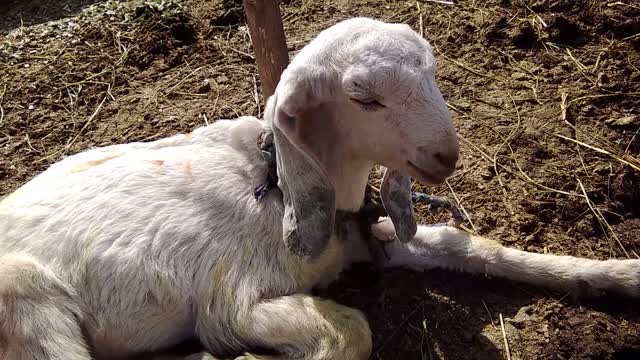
(306, 327)
(38, 317)
(451, 248)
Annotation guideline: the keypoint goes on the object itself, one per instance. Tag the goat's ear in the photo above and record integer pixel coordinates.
(298, 107)
(299, 91)
(395, 192)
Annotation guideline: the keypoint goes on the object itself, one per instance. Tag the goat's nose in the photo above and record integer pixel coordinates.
(448, 159)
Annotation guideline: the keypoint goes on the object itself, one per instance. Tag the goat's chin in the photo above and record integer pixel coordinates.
(423, 176)
(429, 180)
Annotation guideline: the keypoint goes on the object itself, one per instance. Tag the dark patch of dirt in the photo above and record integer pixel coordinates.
(169, 38)
(520, 81)
(564, 31)
(229, 13)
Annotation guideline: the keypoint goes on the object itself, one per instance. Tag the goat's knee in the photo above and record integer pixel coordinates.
(305, 327)
(38, 317)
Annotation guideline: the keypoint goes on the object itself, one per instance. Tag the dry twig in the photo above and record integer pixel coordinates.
(84, 127)
(420, 22)
(488, 313)
(625, 159)
(504, 337)
(445, 2)
(400, 326)
(604, 225)
(1, 108)
(455, 196)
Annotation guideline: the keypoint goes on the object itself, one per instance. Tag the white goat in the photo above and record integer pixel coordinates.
(135, 247)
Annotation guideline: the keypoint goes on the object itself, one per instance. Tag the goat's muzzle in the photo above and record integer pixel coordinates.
(434, 168)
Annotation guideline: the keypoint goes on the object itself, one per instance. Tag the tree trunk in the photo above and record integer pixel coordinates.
(269, 43)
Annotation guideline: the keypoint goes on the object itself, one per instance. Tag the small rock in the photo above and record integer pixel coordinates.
(487, 174)
(589, 110)
(603, 78)
(603, 169)
(518, 55)
(518, 76)
(204, 87)
(468, 335)
(525, 314)
(576, 322)
(463, 105)
(623, 121)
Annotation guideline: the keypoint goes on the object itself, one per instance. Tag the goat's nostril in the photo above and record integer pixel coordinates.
(448, 160)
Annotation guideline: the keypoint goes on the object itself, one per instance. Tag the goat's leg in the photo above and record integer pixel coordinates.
(450, 248)
(38, 317)
(306, 327)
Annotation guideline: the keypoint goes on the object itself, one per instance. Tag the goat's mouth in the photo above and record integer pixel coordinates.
(424, 176)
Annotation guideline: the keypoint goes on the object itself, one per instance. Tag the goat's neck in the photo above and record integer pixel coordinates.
(349, 178)
(329, 141)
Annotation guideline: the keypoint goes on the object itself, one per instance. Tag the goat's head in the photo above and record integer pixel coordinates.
(372, 85)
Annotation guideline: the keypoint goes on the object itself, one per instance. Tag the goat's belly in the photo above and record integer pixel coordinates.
(122, 334)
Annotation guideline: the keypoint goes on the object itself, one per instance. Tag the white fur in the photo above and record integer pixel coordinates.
(450, 248)
(136, 247)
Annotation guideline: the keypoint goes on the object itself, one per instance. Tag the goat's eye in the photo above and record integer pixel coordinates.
(369, 104)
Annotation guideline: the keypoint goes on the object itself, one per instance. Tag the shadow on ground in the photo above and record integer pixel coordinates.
(16, 13)
(447, 315)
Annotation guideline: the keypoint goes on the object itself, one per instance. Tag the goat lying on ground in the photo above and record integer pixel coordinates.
(135, 247)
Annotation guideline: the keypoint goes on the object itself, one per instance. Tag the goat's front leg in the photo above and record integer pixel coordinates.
(450, 248)
(306, 327)
(39, 318)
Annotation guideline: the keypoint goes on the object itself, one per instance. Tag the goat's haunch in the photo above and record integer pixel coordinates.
(136, 247)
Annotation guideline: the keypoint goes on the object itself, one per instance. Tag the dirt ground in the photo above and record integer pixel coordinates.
(545, 95)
